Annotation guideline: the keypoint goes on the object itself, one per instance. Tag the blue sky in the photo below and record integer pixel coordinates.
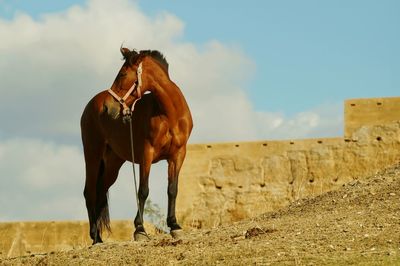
(254, 70)
(306, 52)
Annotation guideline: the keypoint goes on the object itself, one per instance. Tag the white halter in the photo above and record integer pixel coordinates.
(127, 110)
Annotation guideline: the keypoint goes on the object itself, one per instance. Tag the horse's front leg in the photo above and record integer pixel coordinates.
(143, 193)
(174, 167)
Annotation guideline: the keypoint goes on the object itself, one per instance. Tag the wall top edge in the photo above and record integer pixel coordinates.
(368, 100)
(266, 143)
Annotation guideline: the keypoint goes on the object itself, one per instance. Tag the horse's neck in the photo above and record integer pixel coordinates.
(171, 100)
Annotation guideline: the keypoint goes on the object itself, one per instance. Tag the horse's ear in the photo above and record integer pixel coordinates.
(125, 52)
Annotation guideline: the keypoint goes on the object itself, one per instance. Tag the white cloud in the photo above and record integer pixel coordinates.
(36, 174)
(42, 180)
(52, 66)
(40, 165)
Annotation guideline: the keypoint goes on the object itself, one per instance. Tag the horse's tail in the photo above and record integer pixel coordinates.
(103, 218)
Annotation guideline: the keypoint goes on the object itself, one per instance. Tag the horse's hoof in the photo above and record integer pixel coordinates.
(97, 241)
(141, 236)
(177, 234)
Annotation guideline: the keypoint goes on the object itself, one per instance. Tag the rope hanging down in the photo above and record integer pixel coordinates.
(129, 117)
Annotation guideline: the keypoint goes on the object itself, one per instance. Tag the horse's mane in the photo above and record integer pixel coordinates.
(133, 56)
(158, 56)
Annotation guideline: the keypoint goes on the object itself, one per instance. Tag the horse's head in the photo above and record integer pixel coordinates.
(127, 75)
(140, 68)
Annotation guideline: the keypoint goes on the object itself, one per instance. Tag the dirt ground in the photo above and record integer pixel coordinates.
(359, 224)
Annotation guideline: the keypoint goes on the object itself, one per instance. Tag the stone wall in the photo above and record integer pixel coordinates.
(221, 183)
(360, 113)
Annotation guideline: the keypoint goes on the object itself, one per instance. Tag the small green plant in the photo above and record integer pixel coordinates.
(153, 214)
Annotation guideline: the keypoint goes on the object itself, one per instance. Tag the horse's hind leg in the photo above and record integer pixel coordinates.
(101, 172)
(94, 168)
(112, 164)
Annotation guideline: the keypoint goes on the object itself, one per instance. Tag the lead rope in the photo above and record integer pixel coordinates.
(129, 117)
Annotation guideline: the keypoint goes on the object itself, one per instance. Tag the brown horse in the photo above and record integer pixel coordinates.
(161, 123)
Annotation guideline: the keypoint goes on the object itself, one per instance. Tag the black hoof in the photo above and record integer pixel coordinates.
(174, 227)
(97, 241)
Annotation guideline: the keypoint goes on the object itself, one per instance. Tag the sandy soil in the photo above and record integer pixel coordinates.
(357, 224)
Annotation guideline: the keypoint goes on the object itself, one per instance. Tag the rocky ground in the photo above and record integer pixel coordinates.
(357, 224)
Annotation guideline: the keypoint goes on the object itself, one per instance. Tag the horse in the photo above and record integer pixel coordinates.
(161, 124)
